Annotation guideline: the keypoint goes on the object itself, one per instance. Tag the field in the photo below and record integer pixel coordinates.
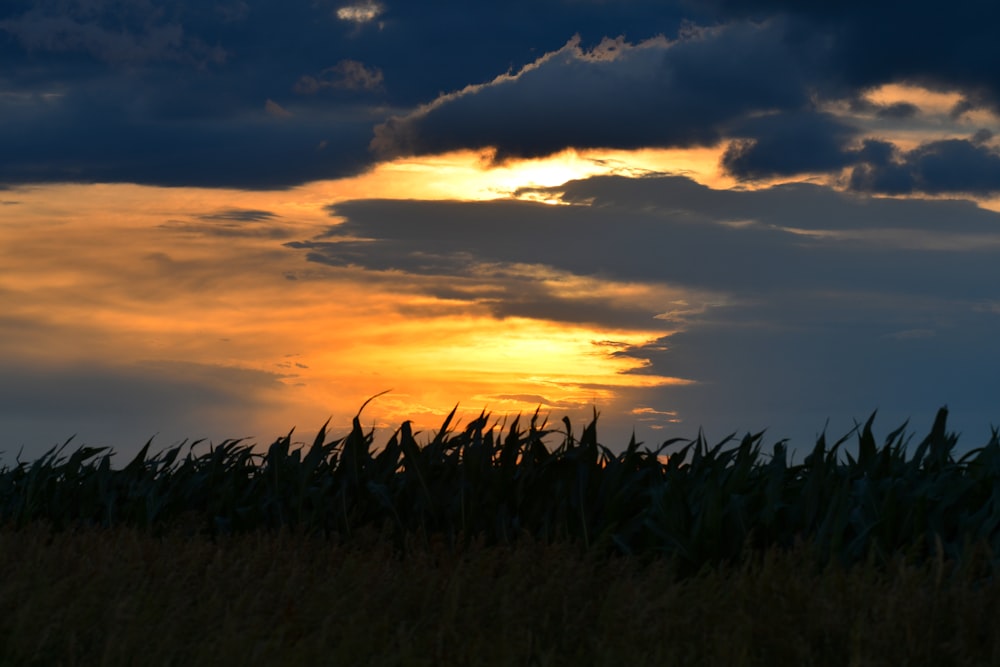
(492, 545)
(122, 597)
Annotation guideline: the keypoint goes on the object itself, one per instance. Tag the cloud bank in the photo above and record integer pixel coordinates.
(175, 94)
(785, 305)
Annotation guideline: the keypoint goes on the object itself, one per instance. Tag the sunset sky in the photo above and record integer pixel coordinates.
(226, 218)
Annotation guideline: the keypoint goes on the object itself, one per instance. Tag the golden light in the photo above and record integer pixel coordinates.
(473, 175)
(929, 101)
(935, 121)
(134, 276)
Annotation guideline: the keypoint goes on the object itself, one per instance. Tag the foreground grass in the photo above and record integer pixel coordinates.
(121, 596)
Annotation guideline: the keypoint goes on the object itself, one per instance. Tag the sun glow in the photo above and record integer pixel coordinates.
(170, 281)
(472, 175)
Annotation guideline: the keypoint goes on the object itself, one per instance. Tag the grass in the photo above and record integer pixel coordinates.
(493, 545)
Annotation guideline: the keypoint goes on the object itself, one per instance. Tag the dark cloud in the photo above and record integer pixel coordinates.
(866, 44)
(951, 166)
(87, 136)
(241, 215)
(655, 93)
(955, 165)
(787, 144)
(880, 170)
(248, 93)
(458, 44)
(174, 93)
(672, 230)
(497, 282)
(800, 143)
(709, 85)
(895, 110)
(981, 136)
(226, 229)
(962, 107)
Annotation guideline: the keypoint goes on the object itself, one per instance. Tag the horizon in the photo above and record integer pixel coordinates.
(231, 219)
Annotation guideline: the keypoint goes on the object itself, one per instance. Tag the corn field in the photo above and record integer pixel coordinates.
(495, 483)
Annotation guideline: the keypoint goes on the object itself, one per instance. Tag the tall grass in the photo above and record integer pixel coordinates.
(497, 483)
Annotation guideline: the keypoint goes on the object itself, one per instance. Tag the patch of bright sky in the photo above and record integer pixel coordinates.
(934, 121)
(472, 175)
(929, 101)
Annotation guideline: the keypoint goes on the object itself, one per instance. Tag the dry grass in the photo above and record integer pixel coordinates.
(123, 597)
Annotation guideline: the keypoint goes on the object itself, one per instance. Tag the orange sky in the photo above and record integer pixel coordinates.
(123, 275)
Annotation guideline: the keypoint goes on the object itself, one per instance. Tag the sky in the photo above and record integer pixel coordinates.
(228, 218)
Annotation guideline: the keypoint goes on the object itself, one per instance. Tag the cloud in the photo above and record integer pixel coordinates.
(507, 284)
(865, 44)
(981, 136)
(345, 75)
(170, 93)
(796, 143)
(621, 95)
(232, 222)
(787, 305)
(950, 166)
(757, 84)
(786, 144)
(897, 110)
(130, 92)
(362, 12)
(97, 136)
(174, 114)
(241, 215)
(665, 228)
(117, 33)
(228, 230)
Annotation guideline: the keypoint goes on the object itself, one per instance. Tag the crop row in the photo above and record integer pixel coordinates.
(494, 482)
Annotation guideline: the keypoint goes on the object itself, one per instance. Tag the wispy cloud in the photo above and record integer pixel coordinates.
(120, 33)
(345, 75)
